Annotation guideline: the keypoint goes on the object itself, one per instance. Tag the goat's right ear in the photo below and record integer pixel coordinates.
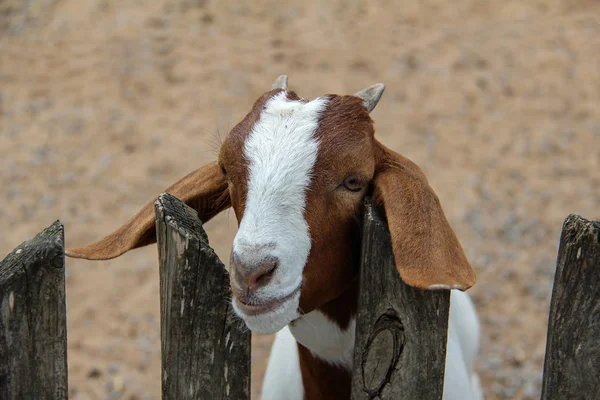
(205, 190)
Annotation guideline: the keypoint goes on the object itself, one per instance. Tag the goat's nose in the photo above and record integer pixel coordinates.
(253, 276)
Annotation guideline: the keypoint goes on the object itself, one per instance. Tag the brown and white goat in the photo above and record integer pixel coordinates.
(295, 173)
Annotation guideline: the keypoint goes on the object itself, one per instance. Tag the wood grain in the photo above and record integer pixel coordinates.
(572, 363)
(33, 322)
(205, 348)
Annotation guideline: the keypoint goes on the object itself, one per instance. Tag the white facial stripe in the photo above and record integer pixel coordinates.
(281, 151)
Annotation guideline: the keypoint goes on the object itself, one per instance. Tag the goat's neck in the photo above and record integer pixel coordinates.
(325, 339)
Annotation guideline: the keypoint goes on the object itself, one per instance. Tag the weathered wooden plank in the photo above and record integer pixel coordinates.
(205, 348)
(401, 332)
(33, 322)
(572, 363)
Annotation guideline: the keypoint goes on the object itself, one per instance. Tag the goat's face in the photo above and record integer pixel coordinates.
(295, 172)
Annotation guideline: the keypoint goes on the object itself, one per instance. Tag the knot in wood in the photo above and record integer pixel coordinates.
(51, 252)
(382, 352)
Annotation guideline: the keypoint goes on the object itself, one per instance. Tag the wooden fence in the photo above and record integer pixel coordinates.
(400, 333)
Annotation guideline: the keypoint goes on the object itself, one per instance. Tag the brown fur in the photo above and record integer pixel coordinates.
(426, 249)
(346, 135)
(321, 380)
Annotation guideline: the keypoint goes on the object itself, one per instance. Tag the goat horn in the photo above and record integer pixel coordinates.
(371, 95)
(280, 82)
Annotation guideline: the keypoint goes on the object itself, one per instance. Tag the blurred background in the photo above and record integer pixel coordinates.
(105, 103)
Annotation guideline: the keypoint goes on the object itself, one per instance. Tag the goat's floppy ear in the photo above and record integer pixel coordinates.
(205, 190)
(427, 253)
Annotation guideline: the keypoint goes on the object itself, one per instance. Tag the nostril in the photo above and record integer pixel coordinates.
(262, 274)
(251, 275)
(265, 274)
(254, 276)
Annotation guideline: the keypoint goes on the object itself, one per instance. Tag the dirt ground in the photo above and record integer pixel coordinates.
(103, 104)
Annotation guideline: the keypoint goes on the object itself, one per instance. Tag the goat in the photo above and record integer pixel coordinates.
(295, 173)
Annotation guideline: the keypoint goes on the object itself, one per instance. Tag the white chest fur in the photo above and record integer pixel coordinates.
(325, 339)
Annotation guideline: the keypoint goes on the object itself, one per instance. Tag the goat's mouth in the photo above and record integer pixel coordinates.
(252, 308)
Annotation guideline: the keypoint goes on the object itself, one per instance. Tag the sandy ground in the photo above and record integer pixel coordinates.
(103, 104)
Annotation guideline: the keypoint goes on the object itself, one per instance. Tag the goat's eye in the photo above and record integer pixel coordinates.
(223, 170)
(352, 184)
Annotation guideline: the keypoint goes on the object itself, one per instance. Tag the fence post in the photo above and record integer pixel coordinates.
(205, 348)
(572, 363)
(401, 332)
(33, 322)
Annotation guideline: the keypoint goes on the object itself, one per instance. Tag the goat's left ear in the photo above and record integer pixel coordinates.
(428, 254)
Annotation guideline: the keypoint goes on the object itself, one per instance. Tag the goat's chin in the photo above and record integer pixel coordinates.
(272, 321)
